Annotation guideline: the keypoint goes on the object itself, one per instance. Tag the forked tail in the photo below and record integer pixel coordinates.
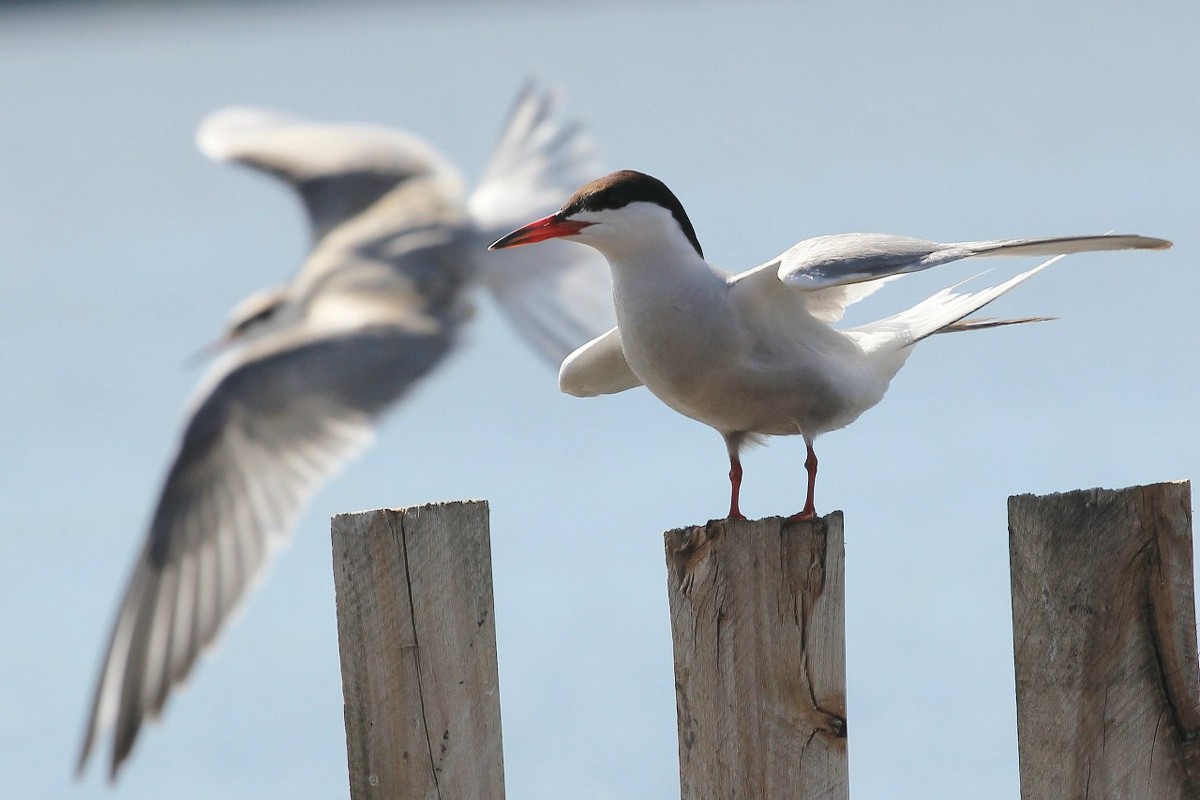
(942, 312)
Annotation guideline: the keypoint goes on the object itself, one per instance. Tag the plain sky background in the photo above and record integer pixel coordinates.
(122, 248)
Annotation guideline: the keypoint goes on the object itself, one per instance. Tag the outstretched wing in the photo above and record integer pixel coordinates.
(826, 261)
(840, 269)
(338, 169)
(271, 426)
(557, 295)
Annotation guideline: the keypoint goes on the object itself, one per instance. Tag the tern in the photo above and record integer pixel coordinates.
(304, 370)
(755, 354)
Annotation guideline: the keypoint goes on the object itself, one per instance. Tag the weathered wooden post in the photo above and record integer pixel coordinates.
(418, 651)
(1104, 635)
(758, 623)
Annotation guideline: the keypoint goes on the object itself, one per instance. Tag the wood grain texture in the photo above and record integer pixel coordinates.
(1104, 635)
(758, 626)
(418, 653)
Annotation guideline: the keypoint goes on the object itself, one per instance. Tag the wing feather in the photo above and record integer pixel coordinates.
(599, 367)
(558, 295)
(834, 272)
(264, 435)
(338, 169)
(847, 258)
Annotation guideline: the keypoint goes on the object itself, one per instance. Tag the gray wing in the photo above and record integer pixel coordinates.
(826, 261)
(557, 295)
(270, 430)
(338, 169)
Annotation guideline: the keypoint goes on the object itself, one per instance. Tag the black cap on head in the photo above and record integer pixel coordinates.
(619, 189)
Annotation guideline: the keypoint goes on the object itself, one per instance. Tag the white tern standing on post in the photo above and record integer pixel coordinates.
(306, 369)
(754, 354)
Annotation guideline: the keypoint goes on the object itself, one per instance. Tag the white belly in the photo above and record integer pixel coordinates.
(713, 370)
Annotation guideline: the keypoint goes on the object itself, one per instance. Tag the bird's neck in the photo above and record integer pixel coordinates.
(652, 265)
(669, 305)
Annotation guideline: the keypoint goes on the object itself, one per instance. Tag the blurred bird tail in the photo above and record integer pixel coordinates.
(557, 295)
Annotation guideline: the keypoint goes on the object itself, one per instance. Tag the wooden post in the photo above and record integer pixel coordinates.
(1104, 634)
(418, 650)
(758, 625)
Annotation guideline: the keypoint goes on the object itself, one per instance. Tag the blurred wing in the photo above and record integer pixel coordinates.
(843, 268)
(339, 169)
(559, 294)
(260, 442)
(538, 161)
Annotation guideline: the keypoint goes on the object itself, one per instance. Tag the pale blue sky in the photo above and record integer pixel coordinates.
(123, 248)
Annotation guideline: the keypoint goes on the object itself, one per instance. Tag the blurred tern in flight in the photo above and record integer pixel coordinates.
(306, 369)
(754, 354)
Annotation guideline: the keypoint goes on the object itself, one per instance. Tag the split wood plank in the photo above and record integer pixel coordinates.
(758, 627)
(418, 653)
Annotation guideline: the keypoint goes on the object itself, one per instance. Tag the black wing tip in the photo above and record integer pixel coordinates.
(81, 763)
(114, 767)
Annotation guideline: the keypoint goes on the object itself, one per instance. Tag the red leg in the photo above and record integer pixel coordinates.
(735, 486)
(810, 464)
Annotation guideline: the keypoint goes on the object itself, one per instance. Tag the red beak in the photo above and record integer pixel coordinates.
(551, 227)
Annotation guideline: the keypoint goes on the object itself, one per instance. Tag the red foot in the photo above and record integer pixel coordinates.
(803, 516)
(735, 515)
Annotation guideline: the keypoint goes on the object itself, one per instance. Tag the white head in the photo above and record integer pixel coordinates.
(622, 212)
